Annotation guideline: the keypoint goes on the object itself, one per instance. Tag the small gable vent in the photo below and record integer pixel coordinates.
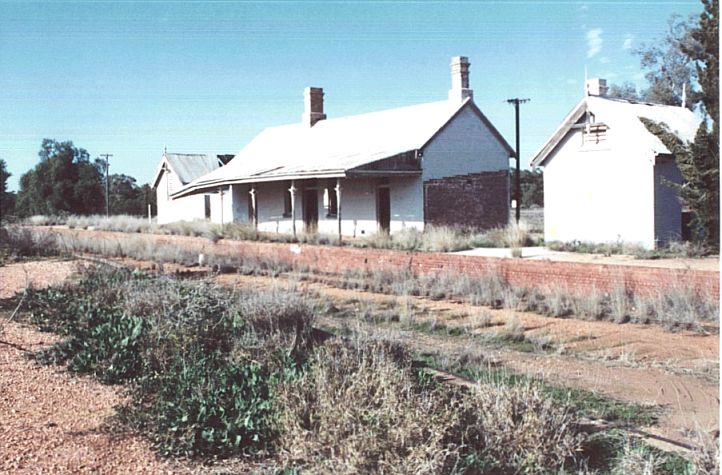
(595, 134)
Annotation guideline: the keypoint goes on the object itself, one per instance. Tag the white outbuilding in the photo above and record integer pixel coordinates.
(436, 163)
(606, 177)
(177, 170)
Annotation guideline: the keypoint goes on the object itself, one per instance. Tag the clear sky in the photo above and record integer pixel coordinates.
(129, 78)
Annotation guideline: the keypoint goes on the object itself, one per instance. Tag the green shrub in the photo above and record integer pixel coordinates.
(206, 404)
(200, 362)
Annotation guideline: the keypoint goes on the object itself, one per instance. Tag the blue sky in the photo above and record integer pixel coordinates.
(129, 78)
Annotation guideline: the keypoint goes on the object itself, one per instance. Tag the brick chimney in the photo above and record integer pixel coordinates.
(460, 79)
(313, 110)
(597, 87)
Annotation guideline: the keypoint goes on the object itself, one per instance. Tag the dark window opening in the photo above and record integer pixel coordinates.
(287, 202)
(310, 209)
(331, 202)
(208, 206)
(383, 209)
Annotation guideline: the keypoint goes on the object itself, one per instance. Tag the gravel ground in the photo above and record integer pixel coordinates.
(52, 421)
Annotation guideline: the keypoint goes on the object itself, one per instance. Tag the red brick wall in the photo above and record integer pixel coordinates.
(518, 272)
(478, 200)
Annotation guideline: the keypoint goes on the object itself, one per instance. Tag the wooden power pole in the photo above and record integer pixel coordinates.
(517, 192)
(107, 183)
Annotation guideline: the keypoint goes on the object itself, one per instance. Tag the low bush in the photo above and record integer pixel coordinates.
(17, 242)
(200, 362)
(513, 235)
(363, 409)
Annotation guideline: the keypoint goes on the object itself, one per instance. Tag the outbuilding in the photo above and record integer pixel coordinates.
(606, 177)
(177, 170)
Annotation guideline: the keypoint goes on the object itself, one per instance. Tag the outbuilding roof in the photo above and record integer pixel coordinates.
(335, 147)
(188, 166)
(623, 115)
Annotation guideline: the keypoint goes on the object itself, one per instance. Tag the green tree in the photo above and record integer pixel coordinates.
(626, 90)
(532, 187)
(703, 50)
(669, 69)
(64, 181)
(126, 197)
(699, 161)
(7, 199)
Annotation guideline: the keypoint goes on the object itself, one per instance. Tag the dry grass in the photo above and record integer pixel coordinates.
(677, 306)
(672, 249)
(706, 458)
(432, 238)
(513, 235)
(361, 409)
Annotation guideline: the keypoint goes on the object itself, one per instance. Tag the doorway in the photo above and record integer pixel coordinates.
(310, 209)
(383, 208)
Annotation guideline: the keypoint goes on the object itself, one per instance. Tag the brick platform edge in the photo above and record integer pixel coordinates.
(576, 276)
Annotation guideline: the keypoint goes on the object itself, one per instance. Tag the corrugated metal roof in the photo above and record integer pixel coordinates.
(188, 167)
(334, 146)
(623, 116)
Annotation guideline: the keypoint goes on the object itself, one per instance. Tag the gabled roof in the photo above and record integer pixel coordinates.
(335, 147)
(624, 115)
(187, 166)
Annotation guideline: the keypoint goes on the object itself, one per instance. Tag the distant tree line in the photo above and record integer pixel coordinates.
(7, 199)
(532, 187)
(66, 181)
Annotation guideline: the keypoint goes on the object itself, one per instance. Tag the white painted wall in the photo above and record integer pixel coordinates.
(599, 194)
(222, 207)
(170, 210)
(407, 203)
(464, 146)
(358, 206)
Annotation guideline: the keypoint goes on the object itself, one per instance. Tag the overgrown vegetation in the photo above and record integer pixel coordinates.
(365, 410)
(678, 306)
(201, 361)
(475, 367)
(20, 242)
(433, 238)
(218, 373)
(668, 250)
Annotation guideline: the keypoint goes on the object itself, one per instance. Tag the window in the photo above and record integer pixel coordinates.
(286, 201)
(208, 206)
(330, 201)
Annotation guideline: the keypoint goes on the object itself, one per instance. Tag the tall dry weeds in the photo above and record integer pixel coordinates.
(362, 410)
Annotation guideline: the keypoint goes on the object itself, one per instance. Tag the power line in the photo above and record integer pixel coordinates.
(517, 194)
